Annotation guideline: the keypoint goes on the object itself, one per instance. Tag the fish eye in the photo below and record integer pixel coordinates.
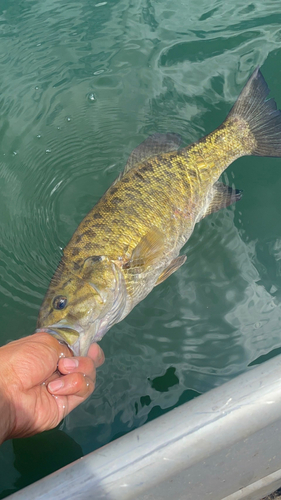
(59, 302)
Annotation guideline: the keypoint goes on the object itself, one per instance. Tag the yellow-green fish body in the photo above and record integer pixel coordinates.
(130, 241)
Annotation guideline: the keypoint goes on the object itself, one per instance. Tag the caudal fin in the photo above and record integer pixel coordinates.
(261, 115)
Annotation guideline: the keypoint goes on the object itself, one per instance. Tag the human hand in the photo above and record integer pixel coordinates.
(40, 383)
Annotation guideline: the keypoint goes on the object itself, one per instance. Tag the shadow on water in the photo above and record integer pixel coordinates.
(39, 456)
(265, 357)
(160, 384)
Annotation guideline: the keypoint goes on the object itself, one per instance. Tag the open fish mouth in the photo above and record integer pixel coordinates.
(65, 334)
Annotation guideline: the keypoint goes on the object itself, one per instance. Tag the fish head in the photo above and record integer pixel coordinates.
(80, 307)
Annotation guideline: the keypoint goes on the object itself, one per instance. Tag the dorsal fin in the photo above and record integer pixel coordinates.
(223, 196)
(152, 146)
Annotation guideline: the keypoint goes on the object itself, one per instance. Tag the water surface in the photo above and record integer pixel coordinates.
(82, 84)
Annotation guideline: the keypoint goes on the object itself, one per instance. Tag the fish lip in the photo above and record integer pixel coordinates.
(46, 330)
(62, 324)
(54, 334)
(80, 346)
(54, 330)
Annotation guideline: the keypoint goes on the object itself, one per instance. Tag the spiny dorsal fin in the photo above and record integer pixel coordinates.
(152, 146)
(150, 248)
(223, 196)
(172, 267)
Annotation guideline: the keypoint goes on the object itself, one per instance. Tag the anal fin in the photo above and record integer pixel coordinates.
(223, 196)
(172, 267)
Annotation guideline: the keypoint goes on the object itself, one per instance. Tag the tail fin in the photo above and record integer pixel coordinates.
(262, 116)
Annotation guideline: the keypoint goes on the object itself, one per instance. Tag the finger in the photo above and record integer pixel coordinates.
(45, 338)
(72, 384)
(83, 365)
(96, 354)
(52, 377)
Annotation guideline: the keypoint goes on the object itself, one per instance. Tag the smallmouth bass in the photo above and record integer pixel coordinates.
(130, 241)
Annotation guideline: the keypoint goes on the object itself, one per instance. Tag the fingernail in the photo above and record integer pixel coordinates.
(70, 363)
(55, 385)
(100, 354)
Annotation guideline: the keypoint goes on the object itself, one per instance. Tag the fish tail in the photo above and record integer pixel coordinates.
(259, 116)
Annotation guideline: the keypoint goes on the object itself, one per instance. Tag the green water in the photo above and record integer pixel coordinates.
(82, 84)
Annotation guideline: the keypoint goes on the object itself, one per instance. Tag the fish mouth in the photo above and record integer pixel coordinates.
(65, 334)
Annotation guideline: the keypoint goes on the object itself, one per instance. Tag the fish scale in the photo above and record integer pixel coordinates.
(130, 241)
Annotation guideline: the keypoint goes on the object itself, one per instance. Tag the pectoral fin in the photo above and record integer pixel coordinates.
(223, 196)
(174, 266)
(149, 250)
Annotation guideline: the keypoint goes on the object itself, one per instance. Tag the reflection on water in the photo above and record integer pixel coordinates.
(81, 85)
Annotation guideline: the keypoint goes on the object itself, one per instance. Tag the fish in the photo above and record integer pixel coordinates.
(130, 241)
